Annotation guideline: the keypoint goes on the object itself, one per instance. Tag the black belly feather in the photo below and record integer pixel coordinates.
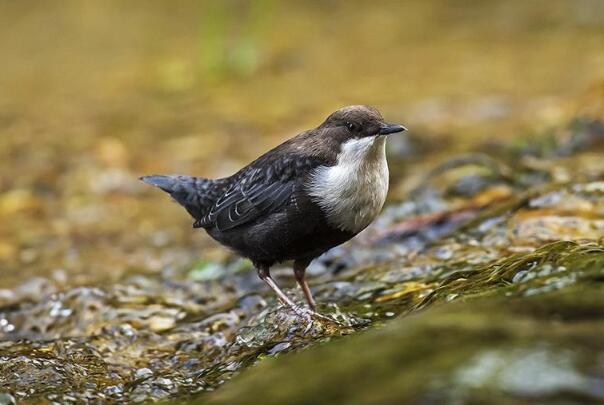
(294, 232)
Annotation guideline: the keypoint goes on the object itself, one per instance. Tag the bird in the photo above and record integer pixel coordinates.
(302, 198)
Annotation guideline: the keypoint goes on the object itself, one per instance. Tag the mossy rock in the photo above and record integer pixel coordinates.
(508, 345)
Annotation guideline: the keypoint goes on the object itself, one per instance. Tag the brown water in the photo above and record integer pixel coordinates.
(105, 290)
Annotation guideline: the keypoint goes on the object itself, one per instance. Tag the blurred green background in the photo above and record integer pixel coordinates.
(95, 93)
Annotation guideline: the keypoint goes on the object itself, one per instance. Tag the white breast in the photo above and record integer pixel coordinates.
(352, 192)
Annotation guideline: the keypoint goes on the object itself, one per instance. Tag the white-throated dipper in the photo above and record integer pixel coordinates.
(298, 200)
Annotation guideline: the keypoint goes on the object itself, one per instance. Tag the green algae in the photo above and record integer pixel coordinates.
(549, 267)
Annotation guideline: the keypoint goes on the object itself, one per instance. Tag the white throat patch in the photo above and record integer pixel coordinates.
(352, 192)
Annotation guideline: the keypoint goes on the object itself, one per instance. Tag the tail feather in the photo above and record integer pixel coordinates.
(166, 183)
(195, 194)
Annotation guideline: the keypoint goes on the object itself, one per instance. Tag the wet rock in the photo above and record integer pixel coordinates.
(143, 373)
(507, 349)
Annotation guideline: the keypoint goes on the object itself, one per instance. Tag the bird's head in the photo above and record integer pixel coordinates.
(356, 129)
(358, 121)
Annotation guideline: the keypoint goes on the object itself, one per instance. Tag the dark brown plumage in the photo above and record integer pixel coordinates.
(271, 210)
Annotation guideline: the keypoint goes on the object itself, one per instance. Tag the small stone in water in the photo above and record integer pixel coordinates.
(443, 253)
(164, 383)
(518, 277)
(159, 324)
(279, 347)
(113, 390)
(143, 373)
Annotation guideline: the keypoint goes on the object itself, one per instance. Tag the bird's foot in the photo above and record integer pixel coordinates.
(308, 315)
(303, 313)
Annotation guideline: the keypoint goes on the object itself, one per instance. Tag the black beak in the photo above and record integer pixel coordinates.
(391, 129)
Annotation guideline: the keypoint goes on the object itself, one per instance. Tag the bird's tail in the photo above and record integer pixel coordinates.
(196, 194)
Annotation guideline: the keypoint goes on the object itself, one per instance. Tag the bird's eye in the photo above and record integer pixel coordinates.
(351, 127)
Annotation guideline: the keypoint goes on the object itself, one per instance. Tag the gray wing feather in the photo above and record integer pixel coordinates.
(258, 190)
(244, 205)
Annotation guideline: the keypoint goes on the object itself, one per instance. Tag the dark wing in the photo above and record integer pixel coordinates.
(259, 189)
(244, 204)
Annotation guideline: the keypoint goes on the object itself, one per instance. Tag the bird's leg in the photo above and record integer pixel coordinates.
(265, 275)
(300, 272)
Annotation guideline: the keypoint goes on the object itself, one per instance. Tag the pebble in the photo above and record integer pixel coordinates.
(143, 373)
